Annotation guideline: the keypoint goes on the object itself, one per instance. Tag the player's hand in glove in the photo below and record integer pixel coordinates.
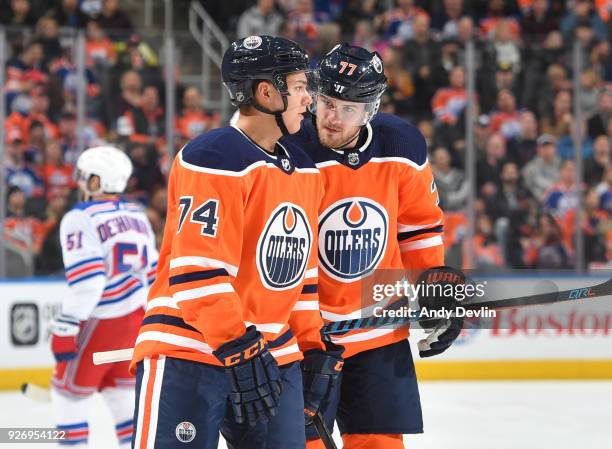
(64, 331)
(441, 332)
(320, 371)
(254, 377)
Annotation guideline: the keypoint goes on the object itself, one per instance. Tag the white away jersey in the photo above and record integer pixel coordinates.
(110, 258)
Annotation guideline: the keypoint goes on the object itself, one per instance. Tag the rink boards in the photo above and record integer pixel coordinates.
(552, 342)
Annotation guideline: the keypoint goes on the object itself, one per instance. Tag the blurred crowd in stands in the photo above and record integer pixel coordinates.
(525, 131)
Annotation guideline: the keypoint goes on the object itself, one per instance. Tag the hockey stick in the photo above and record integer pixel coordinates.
(603, 289)
(119, 355)
(36, 392)
(323, 431)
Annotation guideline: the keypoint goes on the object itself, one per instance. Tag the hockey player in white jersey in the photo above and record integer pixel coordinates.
(110, 258)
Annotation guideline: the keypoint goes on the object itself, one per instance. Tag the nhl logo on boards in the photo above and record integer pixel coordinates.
(252, 42)
(185, 432)
(284, 247)
(352, 238)
(353, 159)
(24, 324)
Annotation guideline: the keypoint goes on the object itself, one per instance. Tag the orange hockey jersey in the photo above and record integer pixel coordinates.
(380, 211)
(239, 249)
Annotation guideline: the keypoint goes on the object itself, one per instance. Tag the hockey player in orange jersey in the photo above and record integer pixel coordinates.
(380, 211)
(235, 307)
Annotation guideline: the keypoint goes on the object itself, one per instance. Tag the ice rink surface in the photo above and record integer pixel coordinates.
(458, 415)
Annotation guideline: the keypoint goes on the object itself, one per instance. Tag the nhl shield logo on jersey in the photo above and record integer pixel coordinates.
(284, 247)
(185, 432)
(352, 238)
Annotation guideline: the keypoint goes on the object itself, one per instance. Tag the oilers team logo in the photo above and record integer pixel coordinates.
(352, 238)
(185, 432)
(284, 247)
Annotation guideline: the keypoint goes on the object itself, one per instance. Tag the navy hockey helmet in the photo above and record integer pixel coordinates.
(255, 58)
(352, 74)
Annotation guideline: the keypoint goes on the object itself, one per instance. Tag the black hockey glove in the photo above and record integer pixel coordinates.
(254, 377)
(438, 286)
(320, 371)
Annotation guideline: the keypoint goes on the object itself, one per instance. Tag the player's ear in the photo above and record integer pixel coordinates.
(263, 92)
(93, 184)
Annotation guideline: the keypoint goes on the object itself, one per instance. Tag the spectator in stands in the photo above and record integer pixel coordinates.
(504, 77)
(547, 250)
(541, 173)
(558, 123)
(594, 223)
(522, 225)
(488, 170)
(15, 202)
(591, 86)
(566, 144)
(39, 112)
(563, 196)
(487, 252)
(99, 49)
(594, 168)
(47, 33)
(366, 37)
(156, 212)
(583, 14)
(498, 12)
(145, 123)
(113, 18)
(356, 11)
(542, 93)
(426, 128)
(399, 81)
(421, 55)
(13, 151)
(35, 148)
(261, 18)
(449, 102)
(600, 59)
(68, 139)
(303, 23)
(522, 148)
(17, 171)
(194, 120)
(604, 191)
(447, 21)
(505, 200)
(452, 188)
(537, 23)
(505, 45)
(130, 95)
(49, 259)
(146, 176)
(55, 173)
(19, 13)
(597, 124)
(482, 133)
(25, 70)
(398, 23)
(69, 14)
(506, 120)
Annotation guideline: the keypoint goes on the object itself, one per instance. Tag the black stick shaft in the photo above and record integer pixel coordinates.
(323, 431)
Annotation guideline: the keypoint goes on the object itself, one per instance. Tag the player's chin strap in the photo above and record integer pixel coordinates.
(278, 115)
